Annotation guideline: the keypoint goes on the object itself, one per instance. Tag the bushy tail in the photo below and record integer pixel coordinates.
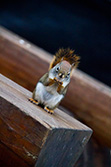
(65, 54)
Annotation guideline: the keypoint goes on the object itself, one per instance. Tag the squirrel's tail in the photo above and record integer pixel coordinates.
(65, 54)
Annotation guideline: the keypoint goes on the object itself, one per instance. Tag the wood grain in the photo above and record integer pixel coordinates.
(33, 134)
(9, 159)
(87, 98)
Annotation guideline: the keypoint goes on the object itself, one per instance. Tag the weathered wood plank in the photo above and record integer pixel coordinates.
(87, 98)
(9, 159)
(33, 134)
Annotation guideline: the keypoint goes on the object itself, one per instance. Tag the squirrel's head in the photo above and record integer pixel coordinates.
(61, 72)
(65, 54)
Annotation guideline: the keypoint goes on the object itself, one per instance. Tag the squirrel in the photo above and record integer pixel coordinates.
(52, 86)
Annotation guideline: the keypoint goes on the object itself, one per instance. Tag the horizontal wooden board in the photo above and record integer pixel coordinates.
(87, 98)
(33, 134)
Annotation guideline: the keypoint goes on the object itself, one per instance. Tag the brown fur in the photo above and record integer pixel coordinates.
(51, 82)
(59, 88)
(65, 54)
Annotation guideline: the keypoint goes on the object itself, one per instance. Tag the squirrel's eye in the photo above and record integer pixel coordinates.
(68, 75)
(57, 69)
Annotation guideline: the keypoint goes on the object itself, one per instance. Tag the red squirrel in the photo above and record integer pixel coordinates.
(52, 86)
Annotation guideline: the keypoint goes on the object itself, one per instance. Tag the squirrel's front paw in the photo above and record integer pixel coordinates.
(33, 101)
(48, 110)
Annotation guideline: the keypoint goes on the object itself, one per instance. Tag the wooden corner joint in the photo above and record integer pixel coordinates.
(33, 134)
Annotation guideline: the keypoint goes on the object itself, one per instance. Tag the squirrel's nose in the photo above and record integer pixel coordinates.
(60, 75)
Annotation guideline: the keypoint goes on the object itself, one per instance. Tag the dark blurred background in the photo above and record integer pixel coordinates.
(81, 25)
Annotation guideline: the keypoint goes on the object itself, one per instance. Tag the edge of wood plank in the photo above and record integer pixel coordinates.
(35, 111)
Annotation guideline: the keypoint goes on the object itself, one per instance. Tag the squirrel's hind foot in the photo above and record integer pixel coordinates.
(48, 110)
(33, 101)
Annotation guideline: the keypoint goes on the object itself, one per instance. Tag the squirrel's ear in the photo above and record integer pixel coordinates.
(52, 63)
(72, 66)
(62, 59)
(71, 69)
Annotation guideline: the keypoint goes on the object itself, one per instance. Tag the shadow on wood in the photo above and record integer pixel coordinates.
(9, 159)
(94, 155)
(87, 98)
(33, 134)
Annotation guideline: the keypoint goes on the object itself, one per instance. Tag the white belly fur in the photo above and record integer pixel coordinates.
(47, 96)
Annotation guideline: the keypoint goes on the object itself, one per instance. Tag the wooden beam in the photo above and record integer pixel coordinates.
(33, 134)
(87, 98)
(9, 159)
